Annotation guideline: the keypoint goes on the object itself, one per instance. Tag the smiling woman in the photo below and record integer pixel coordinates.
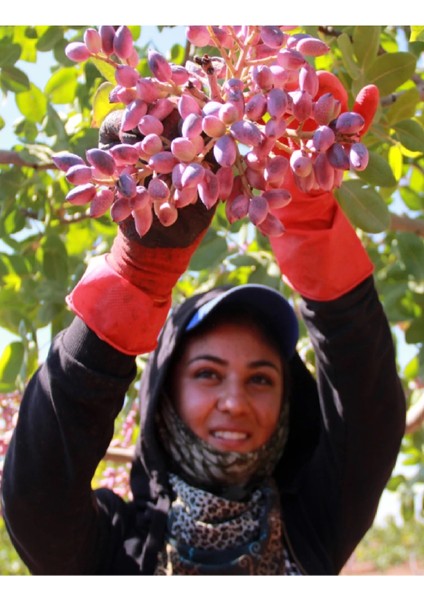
(246, 462)
(231, 395)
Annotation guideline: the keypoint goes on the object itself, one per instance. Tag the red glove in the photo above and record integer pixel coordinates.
(320, 255)
(125, 296)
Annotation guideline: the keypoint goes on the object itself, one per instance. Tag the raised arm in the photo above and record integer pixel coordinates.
(67, 414)
(361, 400)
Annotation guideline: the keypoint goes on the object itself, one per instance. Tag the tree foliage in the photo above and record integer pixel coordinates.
(46, 243)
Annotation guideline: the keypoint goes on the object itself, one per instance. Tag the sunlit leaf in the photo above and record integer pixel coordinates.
(416, 179)
(26, 41)
(101, 104)
(61, 86)
(32, 104)
(412, 199)
(135, 31)
(417, 33)
(364, 206)
(395, 482)
(14, 222)
(177, 54)
(10, 363)
(106, 70)
(395, 159)
(411, 369)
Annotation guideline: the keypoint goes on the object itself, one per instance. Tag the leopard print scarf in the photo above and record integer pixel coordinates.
(226, 516)
(210, 535)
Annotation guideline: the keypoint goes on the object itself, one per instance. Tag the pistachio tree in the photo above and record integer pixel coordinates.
(47, 241)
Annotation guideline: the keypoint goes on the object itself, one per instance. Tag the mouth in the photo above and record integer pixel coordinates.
(223, 434)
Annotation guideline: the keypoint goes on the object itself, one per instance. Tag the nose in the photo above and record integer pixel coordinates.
(233, 399)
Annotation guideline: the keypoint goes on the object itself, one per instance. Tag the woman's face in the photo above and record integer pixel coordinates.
(228, 387)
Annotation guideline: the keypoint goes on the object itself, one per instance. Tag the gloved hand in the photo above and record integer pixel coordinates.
(125, 295)
(320, 255)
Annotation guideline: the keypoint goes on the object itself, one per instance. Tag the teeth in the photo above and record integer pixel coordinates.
(230, 435)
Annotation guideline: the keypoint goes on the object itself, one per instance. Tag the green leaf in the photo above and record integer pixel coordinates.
(411, 198)
(364, 206)
(416, 181)
(9, 53)
(14, 80)
(49, 38)
(10, 364)
(395, 482)
(32, 104)
(395, 158)
(177, 54)
(411, 250)
(27, 44)
(417, 33)
(61, 86)
(391, 70)
(243, 260)
(135, 31)
(378, 171)
(55, 127)
(411, 369)
(210, 253)
(15, 221)
(366, 42)
(404, 107)
(55, 258)
(107, 71)
(26, 130)
(415, 332)
(410, 134)
(101, 104)
(349, 62)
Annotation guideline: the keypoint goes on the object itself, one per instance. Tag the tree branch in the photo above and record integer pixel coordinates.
(415, 417)
(10, 157)
(119, 454)
(404, 223)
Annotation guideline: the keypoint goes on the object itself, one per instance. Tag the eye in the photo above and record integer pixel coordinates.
(262, 379)
(206, 373)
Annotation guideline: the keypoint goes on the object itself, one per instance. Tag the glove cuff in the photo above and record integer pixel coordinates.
(118, 312)
(153, 270)
(322, 264)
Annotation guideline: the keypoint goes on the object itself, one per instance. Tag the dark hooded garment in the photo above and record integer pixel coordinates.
(345, 431)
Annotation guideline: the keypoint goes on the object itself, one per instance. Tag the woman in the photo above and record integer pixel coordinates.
(245, 464)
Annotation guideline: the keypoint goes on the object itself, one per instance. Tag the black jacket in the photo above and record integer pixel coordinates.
(345, 434)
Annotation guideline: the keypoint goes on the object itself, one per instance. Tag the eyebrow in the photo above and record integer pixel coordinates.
(220, 361)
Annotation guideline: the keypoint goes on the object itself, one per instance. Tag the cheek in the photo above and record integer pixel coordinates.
(192, 406)
(267, 417)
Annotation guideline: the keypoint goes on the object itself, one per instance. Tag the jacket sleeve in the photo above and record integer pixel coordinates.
(363, 416)
(64, 427)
